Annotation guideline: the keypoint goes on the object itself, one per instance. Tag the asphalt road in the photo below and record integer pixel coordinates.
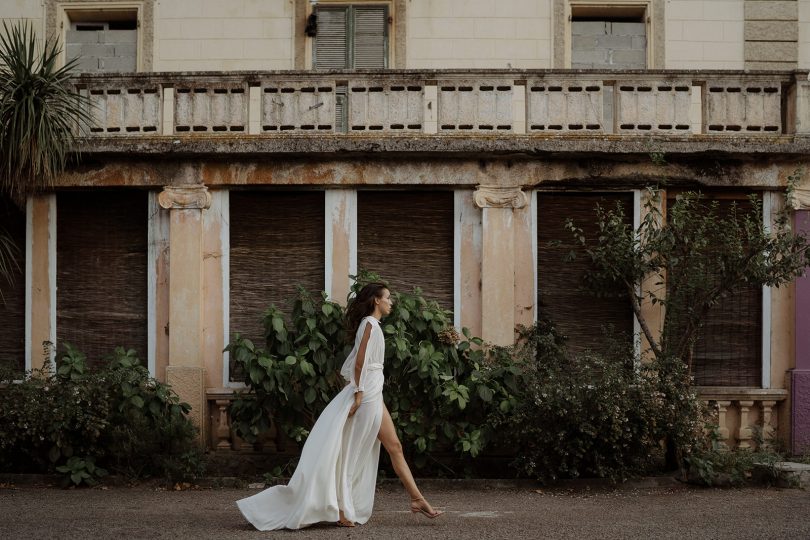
(29, 512)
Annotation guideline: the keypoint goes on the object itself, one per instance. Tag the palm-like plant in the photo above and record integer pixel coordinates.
(40, 115)
(40, 112)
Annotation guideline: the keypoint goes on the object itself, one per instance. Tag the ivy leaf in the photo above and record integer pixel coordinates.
(290, 360)
(137, 401)
(310, 395)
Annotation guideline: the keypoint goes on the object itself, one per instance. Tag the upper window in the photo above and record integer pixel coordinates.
(612, 37)
(350, 37)
(103, 41)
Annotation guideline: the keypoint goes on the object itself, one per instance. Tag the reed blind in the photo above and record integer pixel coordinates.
(407, 238)
(12, 300)
(575, 311)
(101, 268)
(728, 349)
(276, 244)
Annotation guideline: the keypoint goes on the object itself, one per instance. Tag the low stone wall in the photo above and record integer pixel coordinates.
(745, 415)
(742, 415)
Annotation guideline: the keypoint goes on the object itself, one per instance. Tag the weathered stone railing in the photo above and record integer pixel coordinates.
(476, 102)
(741, 412)
(221, 434)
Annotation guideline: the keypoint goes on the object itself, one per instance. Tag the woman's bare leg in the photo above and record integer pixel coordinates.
(388, 438)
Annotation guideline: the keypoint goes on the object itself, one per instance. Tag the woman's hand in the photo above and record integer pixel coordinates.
(358, 398)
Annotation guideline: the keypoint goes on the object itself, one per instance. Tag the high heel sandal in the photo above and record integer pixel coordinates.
(343, 522)
(417, 508)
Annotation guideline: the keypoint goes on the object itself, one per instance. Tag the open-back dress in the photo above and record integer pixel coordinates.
(338, 465)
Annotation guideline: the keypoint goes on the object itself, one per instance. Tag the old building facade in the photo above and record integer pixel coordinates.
(242, 147)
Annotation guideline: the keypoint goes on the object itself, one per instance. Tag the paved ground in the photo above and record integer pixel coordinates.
(661, 512)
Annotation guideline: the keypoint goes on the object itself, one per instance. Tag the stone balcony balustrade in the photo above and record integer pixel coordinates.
(696, 106)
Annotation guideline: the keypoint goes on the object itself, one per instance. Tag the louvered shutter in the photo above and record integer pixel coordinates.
(331, 46)
(101, 262)
(407, 238)
(574, 310)
(370, 25)
(12, 302)
(276, 244)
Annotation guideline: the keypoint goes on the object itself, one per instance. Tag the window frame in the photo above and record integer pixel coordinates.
(765, 322)
(64, 11)
(390, 30)
(636, 220)
(655, 56)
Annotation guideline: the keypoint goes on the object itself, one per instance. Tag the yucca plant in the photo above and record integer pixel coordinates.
(40, 116)
(40, 112)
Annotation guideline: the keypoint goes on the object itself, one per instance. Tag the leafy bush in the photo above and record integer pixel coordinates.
(440, 388)
(118, 417)
(592, 414)
(80, 470)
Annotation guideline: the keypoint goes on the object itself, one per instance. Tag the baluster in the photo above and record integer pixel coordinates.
(768, 431)
(745, 433)
(723, 433)
(223, 428)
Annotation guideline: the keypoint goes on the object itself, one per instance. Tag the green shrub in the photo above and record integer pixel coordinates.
(118, 417)
(585, 415)
(440, 389)
(79, 471)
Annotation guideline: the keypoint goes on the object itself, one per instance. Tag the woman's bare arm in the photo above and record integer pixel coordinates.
(359, 361)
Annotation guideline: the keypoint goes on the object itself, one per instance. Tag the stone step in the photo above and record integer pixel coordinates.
(784, 474)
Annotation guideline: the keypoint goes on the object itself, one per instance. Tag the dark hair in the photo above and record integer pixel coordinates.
(361, 306)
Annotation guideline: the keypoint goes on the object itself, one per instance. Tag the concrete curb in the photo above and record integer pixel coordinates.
(429, 484)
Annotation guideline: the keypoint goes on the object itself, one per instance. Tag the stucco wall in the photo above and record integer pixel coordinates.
(479, 33)
(804, 34)
(15, 11)
(218, 35)
(705, 34)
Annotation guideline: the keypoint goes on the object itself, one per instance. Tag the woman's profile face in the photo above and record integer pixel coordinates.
(385, 302)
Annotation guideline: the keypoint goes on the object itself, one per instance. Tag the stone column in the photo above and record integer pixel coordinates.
(800, 374)
(498, 261)
(340, 238)
(40, 281)
(186, 371)
(467, 262)
(653, 314)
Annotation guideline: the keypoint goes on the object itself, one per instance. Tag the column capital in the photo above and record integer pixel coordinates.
(499, 197)
(801, 199)
(193, 197)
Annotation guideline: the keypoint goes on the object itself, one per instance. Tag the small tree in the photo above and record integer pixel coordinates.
(696, 258)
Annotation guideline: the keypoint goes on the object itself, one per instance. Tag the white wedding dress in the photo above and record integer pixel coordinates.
(338, 465)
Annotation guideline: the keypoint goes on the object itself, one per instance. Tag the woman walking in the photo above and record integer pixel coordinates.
(336, 476)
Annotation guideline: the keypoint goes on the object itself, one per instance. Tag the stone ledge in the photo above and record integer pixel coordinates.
(442, 145)
(783, 474)
(733, 393)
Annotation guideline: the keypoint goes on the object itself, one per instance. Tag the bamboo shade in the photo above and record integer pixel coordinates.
(12, 302)
(574, 310)
(277, 243)
(101, 264)
(728, 349)
(407, 238)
